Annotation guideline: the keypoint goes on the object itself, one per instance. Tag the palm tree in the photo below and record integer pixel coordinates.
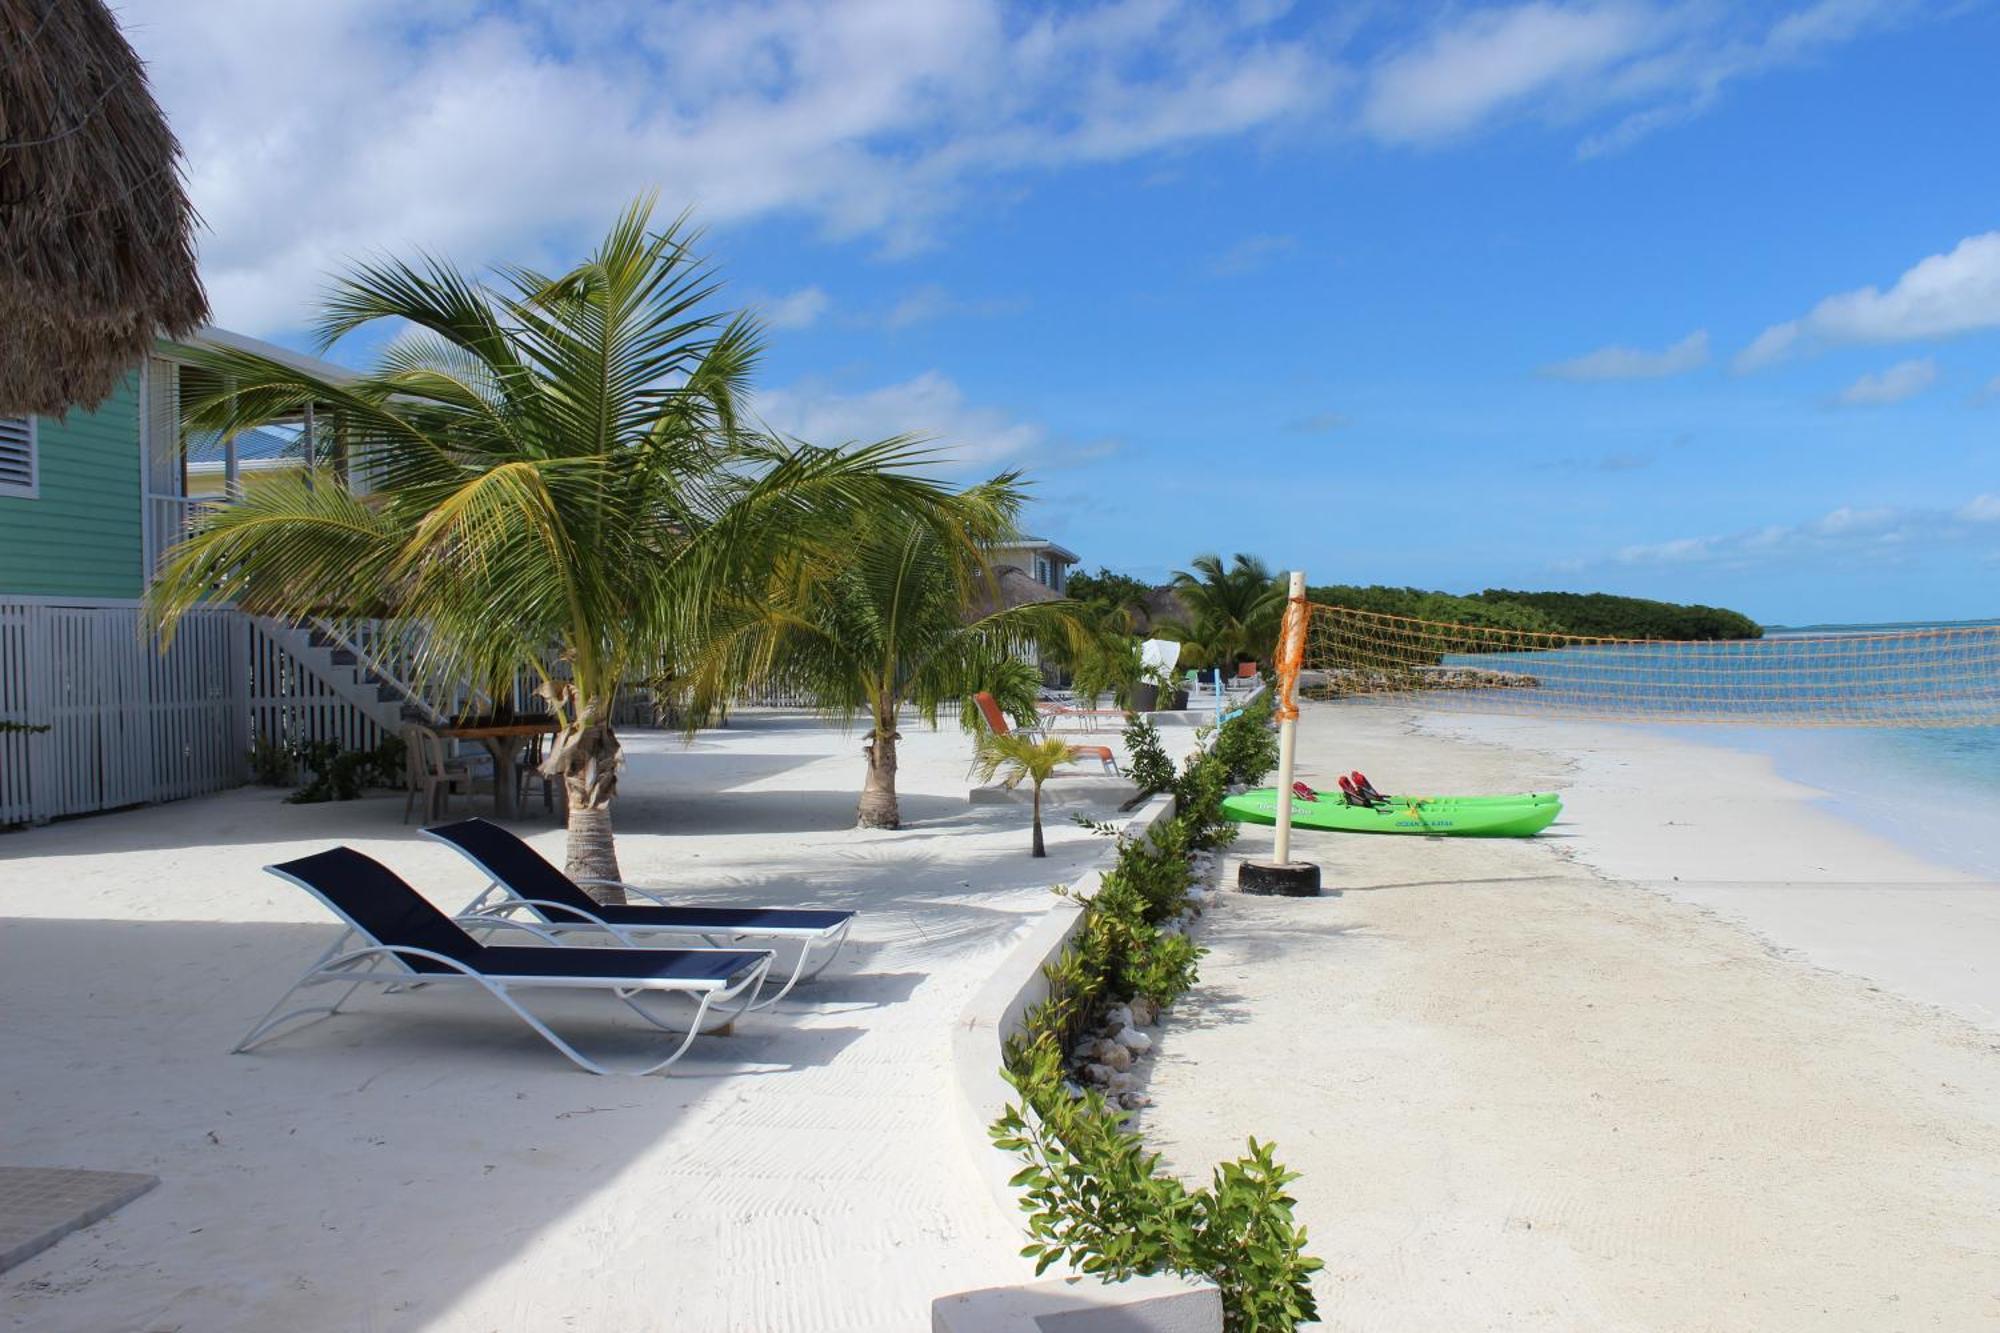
(542, 474)
(1026, 759)
(1233, 611)
(903, 624)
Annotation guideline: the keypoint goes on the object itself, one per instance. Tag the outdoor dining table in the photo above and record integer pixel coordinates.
(503, 740)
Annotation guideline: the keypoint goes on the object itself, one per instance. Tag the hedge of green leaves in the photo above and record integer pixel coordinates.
(1094, 1194)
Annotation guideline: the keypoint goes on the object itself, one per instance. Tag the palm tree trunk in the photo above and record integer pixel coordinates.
(1040, 850)
(591, 853)
(587, 756)
(878, 790)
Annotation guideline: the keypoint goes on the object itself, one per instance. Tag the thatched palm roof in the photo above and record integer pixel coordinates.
(1014, 588)
(96, 232)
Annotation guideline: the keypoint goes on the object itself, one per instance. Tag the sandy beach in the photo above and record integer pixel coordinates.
(429, 1163)
(1683, 1063)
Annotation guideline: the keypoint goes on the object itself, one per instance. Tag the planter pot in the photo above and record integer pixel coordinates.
(1178, 702)
(1145, 697)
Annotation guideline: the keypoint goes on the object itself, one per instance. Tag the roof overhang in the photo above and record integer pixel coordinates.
(211, 336)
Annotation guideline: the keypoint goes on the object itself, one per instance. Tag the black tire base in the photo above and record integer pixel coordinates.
(1290, 879)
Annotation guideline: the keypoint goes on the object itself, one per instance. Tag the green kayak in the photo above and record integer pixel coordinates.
(1435, 816)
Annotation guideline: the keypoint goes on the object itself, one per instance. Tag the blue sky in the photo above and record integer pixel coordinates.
(1697, 301)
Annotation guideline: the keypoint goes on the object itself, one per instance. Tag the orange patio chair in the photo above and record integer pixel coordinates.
(996, 720)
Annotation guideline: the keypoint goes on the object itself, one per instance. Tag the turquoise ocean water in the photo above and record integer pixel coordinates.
(1933, 788)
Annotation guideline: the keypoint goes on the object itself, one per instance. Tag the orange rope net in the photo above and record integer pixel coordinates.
(1944, 677)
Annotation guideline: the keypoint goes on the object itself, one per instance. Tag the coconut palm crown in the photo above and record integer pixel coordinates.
(908, 623)
(1234, 611)
(1024, 758)
(549, 474)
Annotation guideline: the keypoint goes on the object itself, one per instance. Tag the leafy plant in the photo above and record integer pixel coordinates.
(556, 466)
(1233, 611)
(1246, 745)
(343, 775)
(1095, 1196)
(272, 763)
(1147, 759)
(1025, 759)
(1198, 792)
(8, 728)
(1105, 661)
(892, 627)
(1016, 686)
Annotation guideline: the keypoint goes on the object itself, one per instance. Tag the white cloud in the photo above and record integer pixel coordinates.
(932, 301)
(926, 303)
(488, 132)
(1905, 379)
(1318, 423)
(1491, 58)
(1938, 297)
(1650, 63)
(1251, 254)
(1699, 55)
(801, 309)
(971, 438)
(1631, 363)
(1848, 533)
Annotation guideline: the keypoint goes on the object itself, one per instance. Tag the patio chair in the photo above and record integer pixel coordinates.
(996, 722)
(405, 943)
(530, 771)
(427, 769)
(521, 880)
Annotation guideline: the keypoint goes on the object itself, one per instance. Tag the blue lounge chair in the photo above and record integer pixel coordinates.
(520, 880)
(405, 943)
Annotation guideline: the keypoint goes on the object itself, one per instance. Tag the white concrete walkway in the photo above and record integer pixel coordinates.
(425, 1162)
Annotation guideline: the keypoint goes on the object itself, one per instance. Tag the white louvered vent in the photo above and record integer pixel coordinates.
(17, 455)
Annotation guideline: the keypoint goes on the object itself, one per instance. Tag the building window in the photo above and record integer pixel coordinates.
(1041, 571)
(17, 456)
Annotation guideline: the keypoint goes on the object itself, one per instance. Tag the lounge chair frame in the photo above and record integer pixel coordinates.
(380, 964)
(498, 901)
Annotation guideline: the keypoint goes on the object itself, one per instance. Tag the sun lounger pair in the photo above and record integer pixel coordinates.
(404, 943)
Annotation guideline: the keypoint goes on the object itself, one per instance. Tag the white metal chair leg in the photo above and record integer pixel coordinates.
(361, 966)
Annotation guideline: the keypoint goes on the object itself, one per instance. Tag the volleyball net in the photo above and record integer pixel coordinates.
(1901, 677)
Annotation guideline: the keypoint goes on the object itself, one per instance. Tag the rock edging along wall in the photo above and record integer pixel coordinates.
(998, 1007)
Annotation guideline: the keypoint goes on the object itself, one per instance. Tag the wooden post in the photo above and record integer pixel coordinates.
(1282, 875)
(306, 443)
(1288, 726)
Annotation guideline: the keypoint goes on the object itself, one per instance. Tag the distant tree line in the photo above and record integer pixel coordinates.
(1597, 614)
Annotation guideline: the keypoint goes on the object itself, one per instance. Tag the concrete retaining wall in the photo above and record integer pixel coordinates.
(1069, 1305)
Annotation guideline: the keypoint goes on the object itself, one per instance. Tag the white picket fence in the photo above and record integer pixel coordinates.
(115, 721)
(289, 705)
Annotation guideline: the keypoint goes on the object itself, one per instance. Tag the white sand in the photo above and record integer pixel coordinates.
(1720, 828)
(425, 1162)
(1525, 1096)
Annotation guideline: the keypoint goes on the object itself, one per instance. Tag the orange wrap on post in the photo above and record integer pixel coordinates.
(1291, 654)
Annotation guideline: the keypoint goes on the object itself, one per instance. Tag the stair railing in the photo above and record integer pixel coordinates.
(389, 675)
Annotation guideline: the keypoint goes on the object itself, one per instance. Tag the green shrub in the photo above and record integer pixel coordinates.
(1097, 1197)
(1094, 1195)
(1198, 791)
(1246, 744)
(343, 775)
(271, 763)
(1147, 761)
